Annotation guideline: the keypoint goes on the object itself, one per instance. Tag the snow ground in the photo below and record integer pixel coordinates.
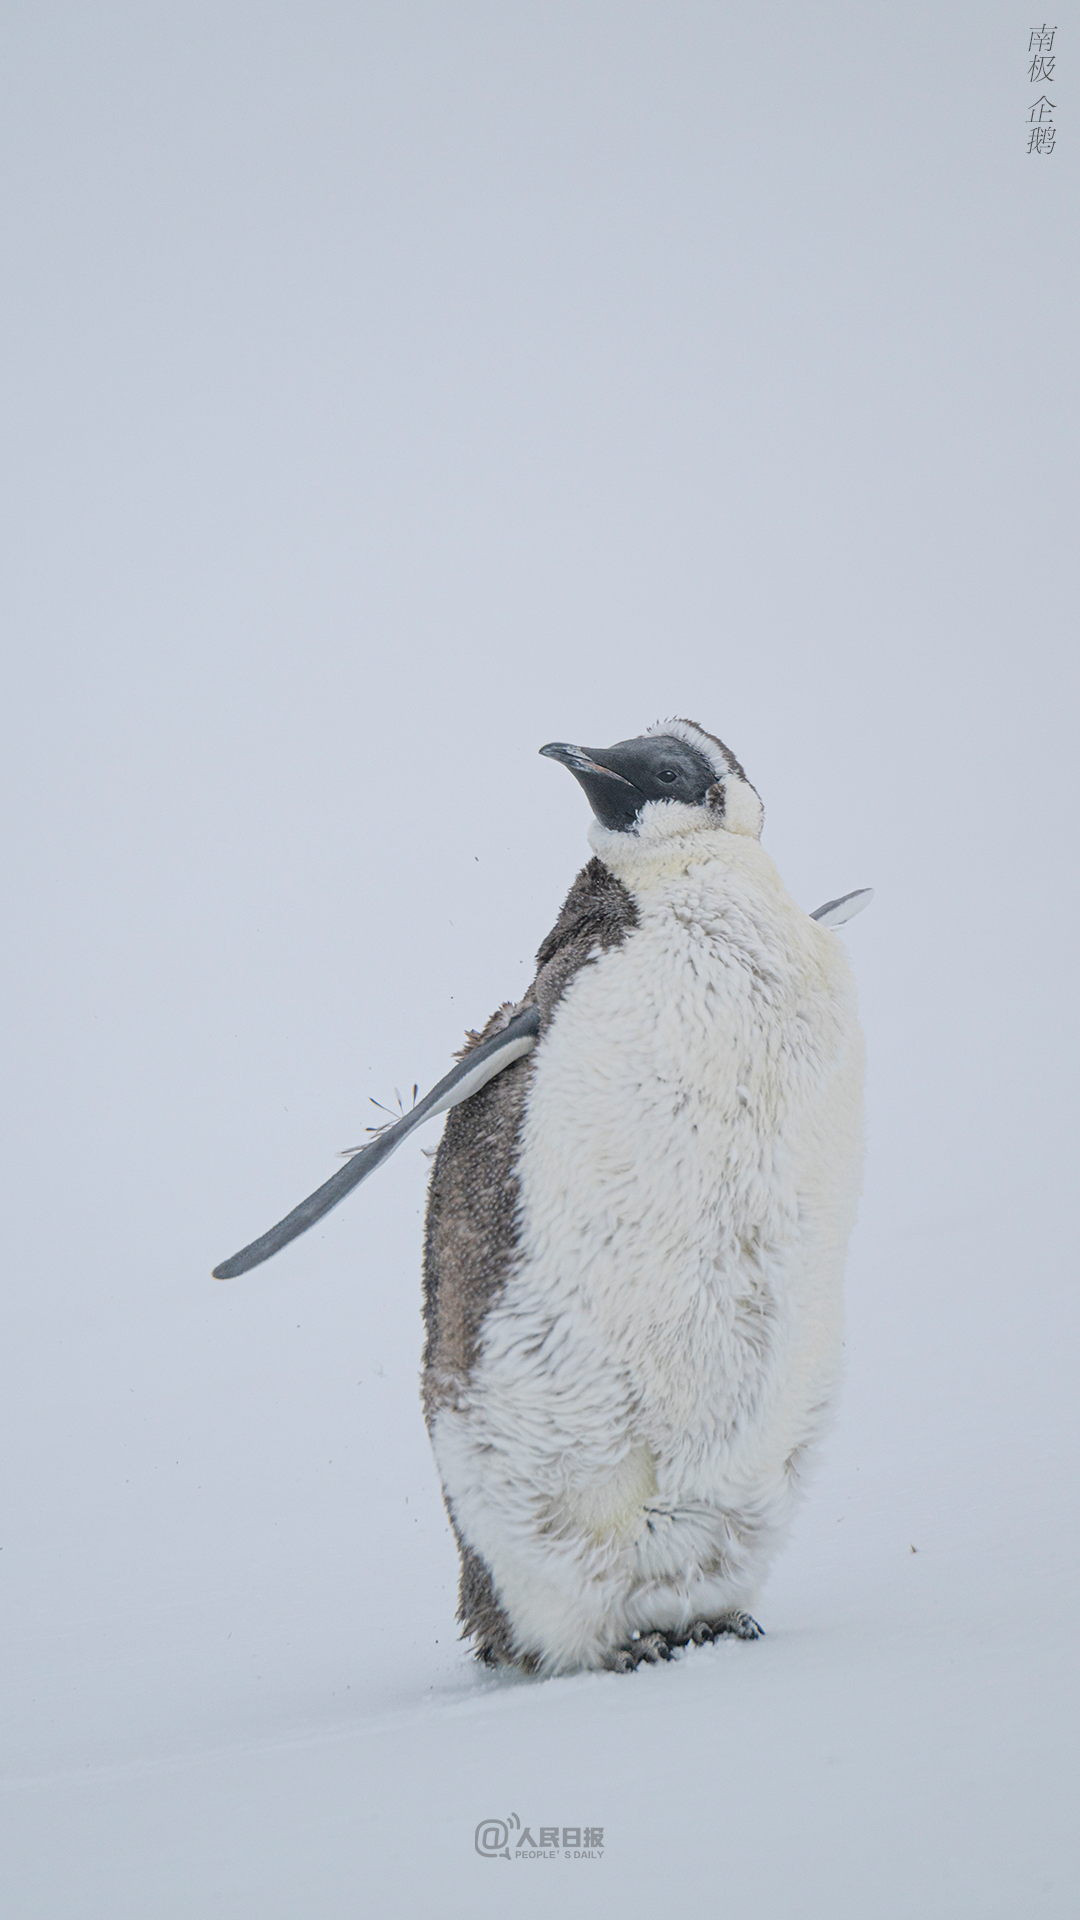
(390, 390)
(902, 1743)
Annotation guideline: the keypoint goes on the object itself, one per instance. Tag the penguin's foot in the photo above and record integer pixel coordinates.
(649, 1647)
(698, 1634)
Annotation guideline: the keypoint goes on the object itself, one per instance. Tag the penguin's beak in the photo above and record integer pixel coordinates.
(613, 798)
(581, 760)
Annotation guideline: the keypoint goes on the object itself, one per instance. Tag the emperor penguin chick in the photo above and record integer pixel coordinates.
(636, 1232)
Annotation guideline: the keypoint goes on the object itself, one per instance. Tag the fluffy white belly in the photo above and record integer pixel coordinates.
(669, 1340)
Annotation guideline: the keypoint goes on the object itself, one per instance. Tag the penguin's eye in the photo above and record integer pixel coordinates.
(667, 775)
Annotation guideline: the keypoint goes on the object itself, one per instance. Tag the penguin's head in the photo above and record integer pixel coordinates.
(675, 775)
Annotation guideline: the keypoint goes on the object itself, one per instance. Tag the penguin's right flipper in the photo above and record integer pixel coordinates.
(480, 1065)
(835, 912)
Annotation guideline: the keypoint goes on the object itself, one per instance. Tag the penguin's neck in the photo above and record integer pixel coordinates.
(664, 850)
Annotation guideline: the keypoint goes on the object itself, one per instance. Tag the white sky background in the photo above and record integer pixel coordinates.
(389, 389)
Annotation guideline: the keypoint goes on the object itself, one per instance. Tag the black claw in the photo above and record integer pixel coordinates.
(700, 1633)
(743, 1626)
(654, 1646)
(644, 1647)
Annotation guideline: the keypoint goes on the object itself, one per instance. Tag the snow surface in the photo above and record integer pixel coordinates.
(391, 391)
(903, 1742)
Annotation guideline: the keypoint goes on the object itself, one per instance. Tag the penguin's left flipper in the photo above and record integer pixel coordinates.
(480, 1065)
(835, 912)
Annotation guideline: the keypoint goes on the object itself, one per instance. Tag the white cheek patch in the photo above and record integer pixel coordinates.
(743, 811)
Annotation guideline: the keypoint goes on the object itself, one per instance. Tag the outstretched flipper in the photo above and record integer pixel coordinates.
(479, 1066)
(835, 912)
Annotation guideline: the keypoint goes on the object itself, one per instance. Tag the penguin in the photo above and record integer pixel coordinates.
(636, 1229)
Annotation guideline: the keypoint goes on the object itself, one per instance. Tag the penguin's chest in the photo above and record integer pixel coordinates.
(661, 1173)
